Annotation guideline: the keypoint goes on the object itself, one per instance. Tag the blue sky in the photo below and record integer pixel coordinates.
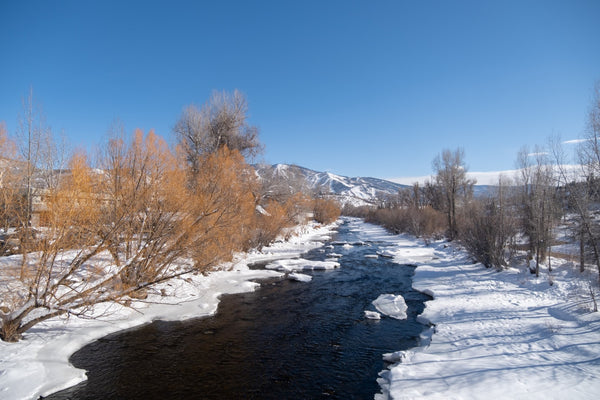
(359, 88)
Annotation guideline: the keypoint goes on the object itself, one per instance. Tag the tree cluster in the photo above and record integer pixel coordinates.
(546, 191)
(143, 212)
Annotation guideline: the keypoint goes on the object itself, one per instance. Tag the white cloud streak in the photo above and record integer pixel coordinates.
(574, 141)
(539, 153)
(487, 178)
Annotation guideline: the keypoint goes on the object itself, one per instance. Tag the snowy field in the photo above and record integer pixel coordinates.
(499, 335)
(38, 365)
(494, 335)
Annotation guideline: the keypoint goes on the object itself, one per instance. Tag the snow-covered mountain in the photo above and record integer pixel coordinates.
(356, 191)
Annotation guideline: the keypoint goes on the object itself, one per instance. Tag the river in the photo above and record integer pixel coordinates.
(288, 339)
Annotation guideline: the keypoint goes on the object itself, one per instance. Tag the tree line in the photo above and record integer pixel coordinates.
(78, 230)
(547, 191)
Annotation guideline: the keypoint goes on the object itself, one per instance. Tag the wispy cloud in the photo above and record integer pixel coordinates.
(482, 178)
(409, 180)
(537, 154)
(574, 141)
(490, 177)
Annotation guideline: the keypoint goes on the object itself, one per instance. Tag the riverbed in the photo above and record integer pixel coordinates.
(288, 339)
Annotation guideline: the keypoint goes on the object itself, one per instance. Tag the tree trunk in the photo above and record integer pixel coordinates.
(582, 250)
(9, 331)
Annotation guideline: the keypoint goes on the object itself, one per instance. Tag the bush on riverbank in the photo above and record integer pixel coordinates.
(421, 222)
(326, 211)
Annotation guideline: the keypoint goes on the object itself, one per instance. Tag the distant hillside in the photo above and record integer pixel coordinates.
(356, 191)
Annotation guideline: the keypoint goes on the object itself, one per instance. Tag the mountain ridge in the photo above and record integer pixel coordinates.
(356, 191)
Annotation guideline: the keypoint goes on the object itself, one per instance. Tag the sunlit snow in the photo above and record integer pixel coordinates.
(301, 265)
(296, 276)
(38, 365)
(499, 335)
(372, 314)
(491, 335)
(391, 305)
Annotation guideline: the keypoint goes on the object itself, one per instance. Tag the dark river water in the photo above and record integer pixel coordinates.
(287, 340)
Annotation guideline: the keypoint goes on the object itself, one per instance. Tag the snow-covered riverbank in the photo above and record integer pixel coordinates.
(495, 335)
(499, 335)
(38, 365)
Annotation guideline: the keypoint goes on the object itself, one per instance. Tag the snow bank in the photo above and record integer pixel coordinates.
(38, 365)
(391, 305)
(499, 335)
(301, 264)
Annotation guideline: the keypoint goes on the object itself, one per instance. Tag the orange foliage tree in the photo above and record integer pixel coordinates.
(325, 211)
(112, 232)
(223, 196)
(146, 214)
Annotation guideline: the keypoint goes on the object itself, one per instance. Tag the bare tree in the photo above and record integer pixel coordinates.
(589, 150)
(222, 121)
(44, 159)
(584, 194)
(490, 228)
(538, 201)
(11, 200)
(573, 194)
(453, 185)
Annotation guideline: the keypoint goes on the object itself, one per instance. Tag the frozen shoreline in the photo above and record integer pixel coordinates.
(39, 365)
(499, 335)
(495, 334)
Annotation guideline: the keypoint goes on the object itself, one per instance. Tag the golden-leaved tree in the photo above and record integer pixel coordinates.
(144, 214)
(223, 196)
(108, 234)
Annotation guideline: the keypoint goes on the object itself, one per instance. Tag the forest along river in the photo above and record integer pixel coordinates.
(288, 339)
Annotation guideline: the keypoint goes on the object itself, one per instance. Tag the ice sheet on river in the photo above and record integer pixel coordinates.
(301, 265)
(391, 305)
(296, 276)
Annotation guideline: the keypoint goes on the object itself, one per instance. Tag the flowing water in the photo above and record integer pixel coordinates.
(287, 340)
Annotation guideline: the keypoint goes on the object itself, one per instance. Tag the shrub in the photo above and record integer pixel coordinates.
(421, 222)
(486, 233)
(325, 211)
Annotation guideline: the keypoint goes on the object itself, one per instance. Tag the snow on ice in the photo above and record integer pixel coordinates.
(372, 314)
(391, 305)
(296, 276)
(301, 264)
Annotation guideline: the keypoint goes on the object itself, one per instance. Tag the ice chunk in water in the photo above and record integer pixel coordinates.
(391, 305)
(372, 314)
(296, 276)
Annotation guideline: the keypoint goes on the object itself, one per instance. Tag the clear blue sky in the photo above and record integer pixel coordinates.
(359, 88)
